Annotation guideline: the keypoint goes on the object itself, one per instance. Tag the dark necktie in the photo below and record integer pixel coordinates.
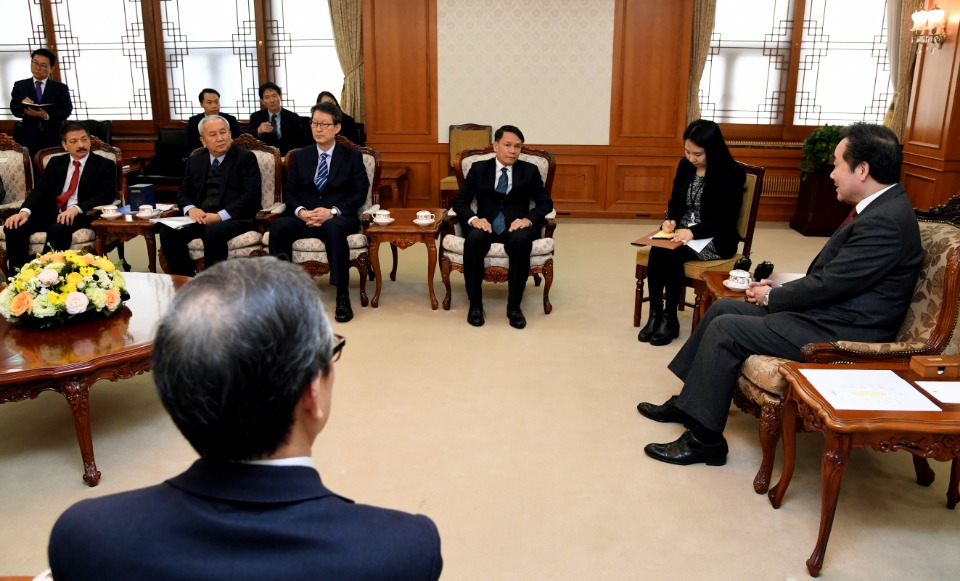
(850, 217)
(499, 223)
(275, 130)
(215, 165)
(39, 91)
(321, 178)
(63, 198)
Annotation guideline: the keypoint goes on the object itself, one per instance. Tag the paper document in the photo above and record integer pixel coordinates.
(868, 389)
(698, 245)
(165, 207)
(944, 391)
(661, 234)
(176, 222)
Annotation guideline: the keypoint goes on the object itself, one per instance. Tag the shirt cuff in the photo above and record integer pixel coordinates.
(27, 210)
(186, 209)
(296, 212)
(471, 219)
(224, 215)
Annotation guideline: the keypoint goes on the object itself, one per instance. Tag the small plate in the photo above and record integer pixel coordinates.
(110, 216)
(427, 222)
(735, 287)
(143, 216)
(382, 221)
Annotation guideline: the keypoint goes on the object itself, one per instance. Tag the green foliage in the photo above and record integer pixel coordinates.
(818, 149)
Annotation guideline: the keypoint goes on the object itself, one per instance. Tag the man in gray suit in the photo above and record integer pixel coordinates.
(857, 289)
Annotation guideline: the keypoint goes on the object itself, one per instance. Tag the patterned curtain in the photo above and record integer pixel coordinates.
(704, 12)
(348, 37)
(902, 57)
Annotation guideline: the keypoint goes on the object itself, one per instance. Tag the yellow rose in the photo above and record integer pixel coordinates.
(21, 305)
(68, 288)
(75, 278)
(27, 273)
(104, 263)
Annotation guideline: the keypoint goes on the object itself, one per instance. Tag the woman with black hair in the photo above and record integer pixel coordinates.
(705, 203)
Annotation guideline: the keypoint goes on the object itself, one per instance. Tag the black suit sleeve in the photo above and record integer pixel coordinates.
(466, 195)
(293, 184)
(194, 173)
(98, 183)
(354, 194)
(543, 203)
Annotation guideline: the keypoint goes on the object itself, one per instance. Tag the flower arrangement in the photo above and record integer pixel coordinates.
(57, 287)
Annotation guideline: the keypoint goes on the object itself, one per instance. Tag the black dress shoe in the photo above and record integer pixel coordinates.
(653, 323)
(517, 320)
(668, 331)
(668, 412)
(343, 312)
(475, 314)
(688, 450)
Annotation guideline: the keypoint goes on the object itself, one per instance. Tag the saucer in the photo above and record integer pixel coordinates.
(427, 222)
(735, 287)
(111, 216)
(383, 221)
(145, 216)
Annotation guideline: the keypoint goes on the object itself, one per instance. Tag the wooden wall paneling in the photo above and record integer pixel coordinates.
(400, 71)
(651, 63)
(423, 177)
(580, 183)
(639, 186)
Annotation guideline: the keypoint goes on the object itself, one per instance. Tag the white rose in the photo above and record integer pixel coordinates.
(76, 303)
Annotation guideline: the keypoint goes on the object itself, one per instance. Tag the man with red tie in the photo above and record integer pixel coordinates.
(69, 187)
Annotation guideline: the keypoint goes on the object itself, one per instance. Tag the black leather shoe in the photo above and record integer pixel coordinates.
(668, 412)
(653, 323)
(475, 314)
(668, 331)
(688, 450)
(517, 320)
(343, 312)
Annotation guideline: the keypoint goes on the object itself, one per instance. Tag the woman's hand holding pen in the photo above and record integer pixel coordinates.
(668, 226)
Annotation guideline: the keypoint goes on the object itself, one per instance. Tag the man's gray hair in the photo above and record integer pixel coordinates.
(211, 118)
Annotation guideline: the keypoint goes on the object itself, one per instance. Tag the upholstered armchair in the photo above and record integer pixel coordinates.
(693, 270)
(496, 263)
(929, 328)
(466, 136)
(271, 201)
(311, 254)
(16, 172)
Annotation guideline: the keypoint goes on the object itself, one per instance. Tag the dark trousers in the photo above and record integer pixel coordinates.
(517, 245)
(333, 233)
(665, 273)
(59, 236)
(709, 362)
(215, 236)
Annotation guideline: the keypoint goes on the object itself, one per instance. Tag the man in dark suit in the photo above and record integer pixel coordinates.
(40, 127)
(326, 187)
(273, 124)
(220, 194)
(857, 289)
(69, 187)
(210, 101)
(244, 363)
(511, 204)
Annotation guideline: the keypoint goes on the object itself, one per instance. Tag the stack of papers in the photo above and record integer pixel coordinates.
(868, 389)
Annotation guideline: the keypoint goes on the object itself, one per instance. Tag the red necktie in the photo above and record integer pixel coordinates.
(850, 217)
(63, 198)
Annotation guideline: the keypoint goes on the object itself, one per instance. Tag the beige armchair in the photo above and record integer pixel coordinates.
(496, 262)
(311, 254)
(929, 328)
(16, 172)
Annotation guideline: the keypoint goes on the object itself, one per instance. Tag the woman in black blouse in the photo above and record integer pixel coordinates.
(705, 203)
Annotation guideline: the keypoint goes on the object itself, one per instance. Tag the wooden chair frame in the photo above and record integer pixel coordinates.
(8, 144)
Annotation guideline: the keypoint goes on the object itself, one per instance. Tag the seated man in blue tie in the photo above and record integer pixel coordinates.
(325, 188)
(503, 188)
(220, 194)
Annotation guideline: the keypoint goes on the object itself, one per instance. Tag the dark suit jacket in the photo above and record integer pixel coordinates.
(193, 129)
(346, 187)
(35, 133)
(860, 285)
(97, 186)
(479, 184)
(239, 183)
(719, 204)
(240, 521)
(291, 130)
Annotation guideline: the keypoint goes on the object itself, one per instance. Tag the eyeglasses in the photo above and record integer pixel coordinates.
(338, 342)
(40, 65)
(318, 125)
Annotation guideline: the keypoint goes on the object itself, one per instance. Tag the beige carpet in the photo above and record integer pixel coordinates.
(524, 446)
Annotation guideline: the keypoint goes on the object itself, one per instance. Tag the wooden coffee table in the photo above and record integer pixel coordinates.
(933, 435)
(715, 290)
(126, 228)
(70, 358)
(403, 233)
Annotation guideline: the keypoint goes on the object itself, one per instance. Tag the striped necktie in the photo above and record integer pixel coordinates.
(321, 178)
(499, 223)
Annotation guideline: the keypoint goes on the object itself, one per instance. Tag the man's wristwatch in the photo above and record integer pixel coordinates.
(334, 211)
(766, 298)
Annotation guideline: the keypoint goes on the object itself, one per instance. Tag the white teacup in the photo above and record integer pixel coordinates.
(381, 215)
(424, 215)
(739, 277)
(108, 209)
(145, 210)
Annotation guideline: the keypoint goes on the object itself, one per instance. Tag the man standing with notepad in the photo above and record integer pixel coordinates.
(42, 102)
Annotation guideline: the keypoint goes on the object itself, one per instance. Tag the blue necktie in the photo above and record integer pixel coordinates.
(276, 130)
(39, 91)
(499, 223)
(321, 179)
(216, 164)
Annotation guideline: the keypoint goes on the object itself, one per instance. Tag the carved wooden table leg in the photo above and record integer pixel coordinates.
(375, 261)
(151, 239)
(431, 243)
(952, 495)
(393, 252)
(77, 392)
(769, 435)
(789, 435)
(836, 450)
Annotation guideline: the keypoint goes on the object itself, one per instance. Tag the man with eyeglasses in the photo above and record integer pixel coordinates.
(273, 124)
(210, 101)
(325, 188)
(42, 102)
(243, 362)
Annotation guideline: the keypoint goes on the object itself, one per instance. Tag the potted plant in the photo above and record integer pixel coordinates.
(819, 212)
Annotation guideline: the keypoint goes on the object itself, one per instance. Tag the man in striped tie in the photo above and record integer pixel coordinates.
(325, 188)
